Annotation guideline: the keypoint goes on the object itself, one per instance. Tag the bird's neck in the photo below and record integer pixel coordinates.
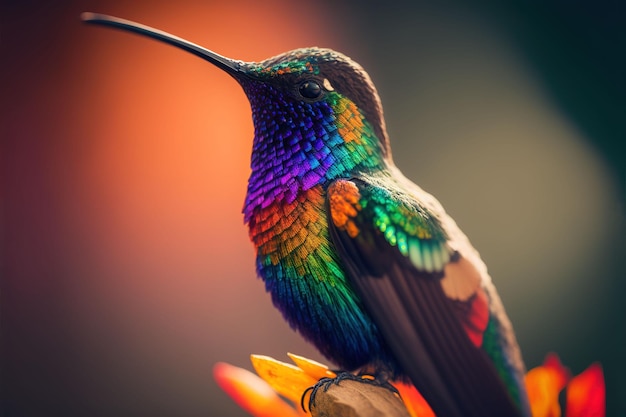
(298, 146)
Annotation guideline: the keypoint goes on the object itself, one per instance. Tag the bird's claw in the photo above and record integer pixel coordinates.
(325, 383)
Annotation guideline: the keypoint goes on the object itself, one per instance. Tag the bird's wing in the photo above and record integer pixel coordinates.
(426, 299)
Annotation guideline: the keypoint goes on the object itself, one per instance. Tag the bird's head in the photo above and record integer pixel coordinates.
(316, 113)
(315, 79)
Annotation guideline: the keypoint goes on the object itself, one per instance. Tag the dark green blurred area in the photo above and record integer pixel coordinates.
(577, 49)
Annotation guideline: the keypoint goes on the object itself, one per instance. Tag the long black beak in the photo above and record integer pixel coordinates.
(234, 68)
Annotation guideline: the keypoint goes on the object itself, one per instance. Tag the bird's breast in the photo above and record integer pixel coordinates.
(304, 275)
(291, 231)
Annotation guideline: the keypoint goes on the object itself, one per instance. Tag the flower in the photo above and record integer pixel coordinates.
(585, 394)
(251, 393)
(261, 395)
(543, 385)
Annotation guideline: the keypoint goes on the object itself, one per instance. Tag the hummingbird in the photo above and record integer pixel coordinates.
(362, 262)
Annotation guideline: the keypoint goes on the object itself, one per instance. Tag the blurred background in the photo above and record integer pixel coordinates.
(125, 265)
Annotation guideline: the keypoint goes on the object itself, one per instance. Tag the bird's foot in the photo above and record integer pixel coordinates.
(325, 383)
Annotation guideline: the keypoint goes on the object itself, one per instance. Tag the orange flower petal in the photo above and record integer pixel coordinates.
(586, 394)
(288, 380)
(561, 373)
(543, 385)
(251, 393)
(413, 400)
(312, 368)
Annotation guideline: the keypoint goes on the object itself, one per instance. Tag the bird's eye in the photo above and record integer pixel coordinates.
(310, 89)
